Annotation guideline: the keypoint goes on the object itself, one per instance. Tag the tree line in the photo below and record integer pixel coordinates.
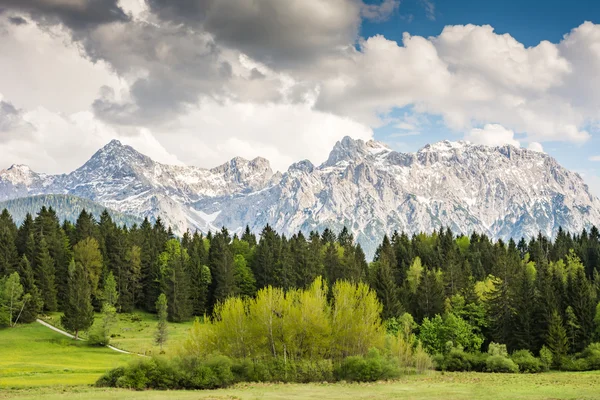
(466, 290)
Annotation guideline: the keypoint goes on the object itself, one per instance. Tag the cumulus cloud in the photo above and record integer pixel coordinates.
(593, 182)
(595, 158)
(535, 146)
(76, 14)
(44, 67)
(492, 135)
(58, 143)
(168, 67)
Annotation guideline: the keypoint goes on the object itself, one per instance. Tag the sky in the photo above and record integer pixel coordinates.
(200, 82)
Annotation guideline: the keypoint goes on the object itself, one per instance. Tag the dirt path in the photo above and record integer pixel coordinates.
(55, 329)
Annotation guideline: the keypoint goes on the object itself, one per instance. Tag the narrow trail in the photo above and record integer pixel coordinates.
(55, 329)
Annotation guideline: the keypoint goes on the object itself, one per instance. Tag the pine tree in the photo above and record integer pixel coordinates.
(9, 257)
(35, 303)
(383, 282)
(557, 341)
(429, 298)
(78, 310)
(222, 269)
(44, 274)
(176, 281)
(266, 257)
(162, 333)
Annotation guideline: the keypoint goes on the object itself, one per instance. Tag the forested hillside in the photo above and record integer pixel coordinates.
(65, 206)
(463, 292)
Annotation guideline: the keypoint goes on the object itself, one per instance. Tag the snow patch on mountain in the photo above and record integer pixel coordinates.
(501, 191)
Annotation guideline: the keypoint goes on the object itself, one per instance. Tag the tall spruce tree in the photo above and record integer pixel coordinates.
(78, 310)
(34, 304)
(174, 263)
(44, 273)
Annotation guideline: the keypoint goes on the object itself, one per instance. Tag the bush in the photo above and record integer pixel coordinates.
(109, 379)
(499, 363)
(527, 362)
(97, 338)
(160, 373)
(459, 360)
(574, 364)
(592, 356)
(371, 368)
(496, 349)
(546, 358)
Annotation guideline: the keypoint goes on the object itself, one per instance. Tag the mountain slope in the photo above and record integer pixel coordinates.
(501, 191)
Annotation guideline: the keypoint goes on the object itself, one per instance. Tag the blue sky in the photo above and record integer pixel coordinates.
(528, 21)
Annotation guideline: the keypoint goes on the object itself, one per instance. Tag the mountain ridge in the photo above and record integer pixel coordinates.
(502, 191)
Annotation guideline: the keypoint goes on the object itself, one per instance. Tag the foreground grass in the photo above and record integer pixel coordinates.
(135, 332)
(33, 355)
(36, 362)
(450, 386)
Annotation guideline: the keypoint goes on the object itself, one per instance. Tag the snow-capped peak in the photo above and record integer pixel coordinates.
(501, 191)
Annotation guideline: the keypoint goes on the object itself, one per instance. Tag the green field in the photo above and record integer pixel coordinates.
(33, 355)
(37, 362)
(452, 386)
(135, 332)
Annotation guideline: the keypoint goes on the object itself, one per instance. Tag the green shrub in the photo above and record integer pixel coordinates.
(497, 363)
(371, 368)
(456, 360)
(97, 338)
(546, 358)
(527, 362)
(161, 373)
(592, 356)
(459, 360)
(109, 379)
(574, 364)
(496, 349)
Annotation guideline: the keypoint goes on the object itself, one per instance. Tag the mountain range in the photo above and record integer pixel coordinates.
(501, 191)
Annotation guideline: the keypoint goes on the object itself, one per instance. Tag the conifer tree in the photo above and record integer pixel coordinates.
(429, 298)
(222, 268)
(44, 274)
(162, 333)
(34, 305)
(266, 257)
(557, 341)
(78, 310)
(176, 281)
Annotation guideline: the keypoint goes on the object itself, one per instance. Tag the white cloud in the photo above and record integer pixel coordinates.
(57, 143)
(225, 84)
(595, 158)
(282, 133)
(593, 182)
(43, 67)
(492, 135)
(471, 76)
(535, 146)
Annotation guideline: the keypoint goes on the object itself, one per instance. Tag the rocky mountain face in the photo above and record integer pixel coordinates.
(500, 191)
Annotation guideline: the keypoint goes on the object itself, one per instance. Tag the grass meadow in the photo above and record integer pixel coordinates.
(36, 362)
(135, 331)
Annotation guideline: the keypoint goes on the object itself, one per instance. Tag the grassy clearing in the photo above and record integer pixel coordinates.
(135, 332)
(452, 386)
(33, 355)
